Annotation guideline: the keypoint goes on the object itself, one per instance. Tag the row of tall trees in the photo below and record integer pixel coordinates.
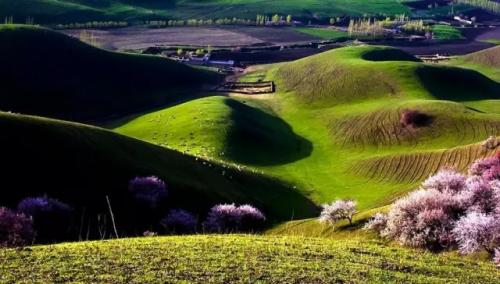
(93, 25)
(365, 28)
(10, 20)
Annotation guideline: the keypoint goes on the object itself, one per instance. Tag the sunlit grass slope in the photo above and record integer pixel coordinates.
(50, 74)
(221, 127)
(239, 259)
(342, 110)
(54, 11)
(82, 164)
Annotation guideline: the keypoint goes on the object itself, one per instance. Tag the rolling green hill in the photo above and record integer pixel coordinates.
(70, 11)
(222, 127)
(343, 109)
(82, 164)
(51, 74)
(239, 259)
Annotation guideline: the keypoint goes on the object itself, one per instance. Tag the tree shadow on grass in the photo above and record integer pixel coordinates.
(457, 84)
(259, 138)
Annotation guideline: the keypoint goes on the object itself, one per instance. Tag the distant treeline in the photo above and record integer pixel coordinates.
(260, 20)
(488, 5)
(93, 25)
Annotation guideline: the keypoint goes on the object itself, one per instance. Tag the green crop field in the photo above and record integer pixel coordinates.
(323, 33)
(64, 11)
(239, 259)
(445, 32)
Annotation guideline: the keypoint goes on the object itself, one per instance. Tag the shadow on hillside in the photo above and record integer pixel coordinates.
(457, 84)
(81, 166)
(259, 138)
(388, 54)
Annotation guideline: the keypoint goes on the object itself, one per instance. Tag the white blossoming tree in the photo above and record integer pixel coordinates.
(338, 210)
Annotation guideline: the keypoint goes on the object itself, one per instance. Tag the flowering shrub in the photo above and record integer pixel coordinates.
(423, 219)
(16, 229)
(251, 218)
(231, 218)
(179, 221)
(51, 218)
(338, 210)
(479, 167)
(377, 223)
(35, 206)
(451, 210)
(148, 190)
(149, 234)
(481, 195)
(446, 179)
(477, 231)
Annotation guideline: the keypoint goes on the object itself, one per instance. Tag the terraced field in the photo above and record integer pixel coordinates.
(383, 126)
(414, 167)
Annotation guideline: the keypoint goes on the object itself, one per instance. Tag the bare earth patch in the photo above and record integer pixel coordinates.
(140, 37)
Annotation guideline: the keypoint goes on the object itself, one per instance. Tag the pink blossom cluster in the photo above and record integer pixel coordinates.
(148, 190)
(450, 210)
(229, 218)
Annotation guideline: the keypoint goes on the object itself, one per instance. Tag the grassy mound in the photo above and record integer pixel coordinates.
(234, 131)
(238, 258)
(81, 164)
(322, 79)
(356, 74)
(51, 74)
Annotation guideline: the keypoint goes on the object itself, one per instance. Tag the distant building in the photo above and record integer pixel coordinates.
(463, 21)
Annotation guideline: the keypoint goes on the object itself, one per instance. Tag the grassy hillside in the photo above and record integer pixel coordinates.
(56, 11)
(486, 61)
(222, 127)
(239, 258)
(51, 74)
(81, 164)
(345, 106)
